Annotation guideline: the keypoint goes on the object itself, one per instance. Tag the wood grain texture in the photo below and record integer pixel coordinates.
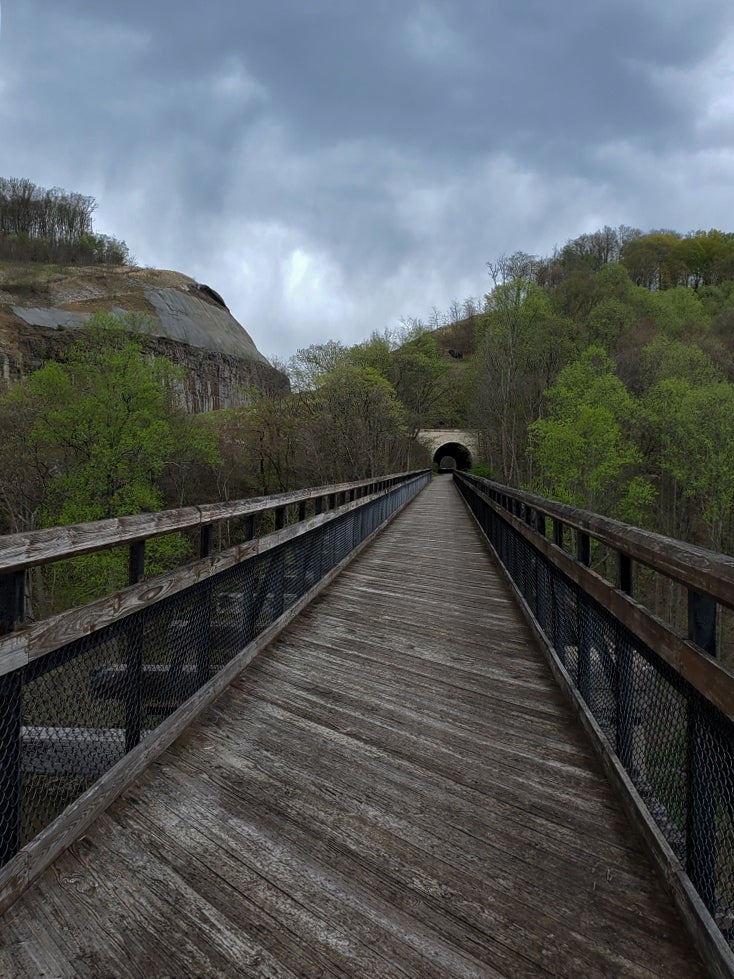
(395, 787)
(40, 853)
(707, 572)
(713, 681)
(38, 639)
(33, 548)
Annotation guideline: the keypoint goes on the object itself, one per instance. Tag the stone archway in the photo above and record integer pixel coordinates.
(450, 449)
(452, 455)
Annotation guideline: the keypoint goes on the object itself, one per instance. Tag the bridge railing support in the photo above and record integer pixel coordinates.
(88, 696)
(656, 700)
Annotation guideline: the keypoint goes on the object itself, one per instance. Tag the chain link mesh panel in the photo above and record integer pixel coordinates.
(677, 748)
(66, 718)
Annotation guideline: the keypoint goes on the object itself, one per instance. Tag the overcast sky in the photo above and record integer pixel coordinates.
(333, 166)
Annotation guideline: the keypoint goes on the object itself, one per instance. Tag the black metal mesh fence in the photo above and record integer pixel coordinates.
(67, 717)
(677, 748)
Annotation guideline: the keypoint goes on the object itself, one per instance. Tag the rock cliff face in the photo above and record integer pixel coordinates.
(42, 308)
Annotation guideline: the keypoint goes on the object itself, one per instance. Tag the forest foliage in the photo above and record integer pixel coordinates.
(615, 363)
(53, 226)
(602, 376)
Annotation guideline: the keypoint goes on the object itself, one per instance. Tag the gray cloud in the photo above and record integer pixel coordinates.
(332, 166)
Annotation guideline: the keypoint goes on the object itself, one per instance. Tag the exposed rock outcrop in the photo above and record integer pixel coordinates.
(42, 307)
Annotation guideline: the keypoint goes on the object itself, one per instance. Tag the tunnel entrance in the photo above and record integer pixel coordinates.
(452, 455)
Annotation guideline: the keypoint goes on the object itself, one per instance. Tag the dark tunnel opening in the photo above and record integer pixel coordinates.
(452, 455)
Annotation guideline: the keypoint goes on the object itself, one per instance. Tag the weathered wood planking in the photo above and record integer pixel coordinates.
(713, 680)
(394, 788)
(31, 642)
(705, 571)
(37, 547)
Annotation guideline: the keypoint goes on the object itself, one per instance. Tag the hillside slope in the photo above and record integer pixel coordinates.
(42, 307)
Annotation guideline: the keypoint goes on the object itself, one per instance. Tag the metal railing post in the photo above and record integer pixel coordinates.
(12, 602)
(134, 675)
(625, 678)
(701, 823)
(204, 630)
(583, 553)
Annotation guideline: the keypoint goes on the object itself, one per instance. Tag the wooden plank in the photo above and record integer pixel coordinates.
(37, 640)
(708, 572)
(38, 547)
(40, 853)
(352, 819)
(397, 865)
(713, 681)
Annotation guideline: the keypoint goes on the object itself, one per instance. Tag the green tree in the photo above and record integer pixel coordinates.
(609, 321)
(583, 449)
(522, 346)
(309, 364)
(690, 428)
(355, 426)
(647, 259)
(103, 417)
(679, 311)
(99, 428)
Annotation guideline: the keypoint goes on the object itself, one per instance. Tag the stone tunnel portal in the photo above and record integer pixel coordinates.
(452, 455)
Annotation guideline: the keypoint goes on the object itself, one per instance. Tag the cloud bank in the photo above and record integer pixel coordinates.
(332, 167)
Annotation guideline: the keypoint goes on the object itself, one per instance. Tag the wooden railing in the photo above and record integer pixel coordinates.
(656, 701)
(100, 690)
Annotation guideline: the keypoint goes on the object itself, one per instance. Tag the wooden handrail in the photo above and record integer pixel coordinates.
(697, 568)
(713, 681)
(33, 548)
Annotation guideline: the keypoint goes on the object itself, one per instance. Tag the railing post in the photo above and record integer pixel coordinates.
(250, 527)
(702, 621)
(278, 582)
(625, 678)
(206, 539)
(624, 573)
(204, 637)
(12, 602)
(701, 826)
(134, 678)
(583, 551)
(557, 533)
(279, 517)
(301, 511)
(583, 548)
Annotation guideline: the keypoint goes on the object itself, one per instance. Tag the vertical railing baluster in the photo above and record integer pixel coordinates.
(558, 532)
(12, 602)
(134, 675)
(204, 625)
(206, 539)
(625, 677)
(583, 552)
(250, 527)
(702, 621)
(701, 824)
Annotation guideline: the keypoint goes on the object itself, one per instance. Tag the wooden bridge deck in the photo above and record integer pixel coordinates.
(394, 788)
